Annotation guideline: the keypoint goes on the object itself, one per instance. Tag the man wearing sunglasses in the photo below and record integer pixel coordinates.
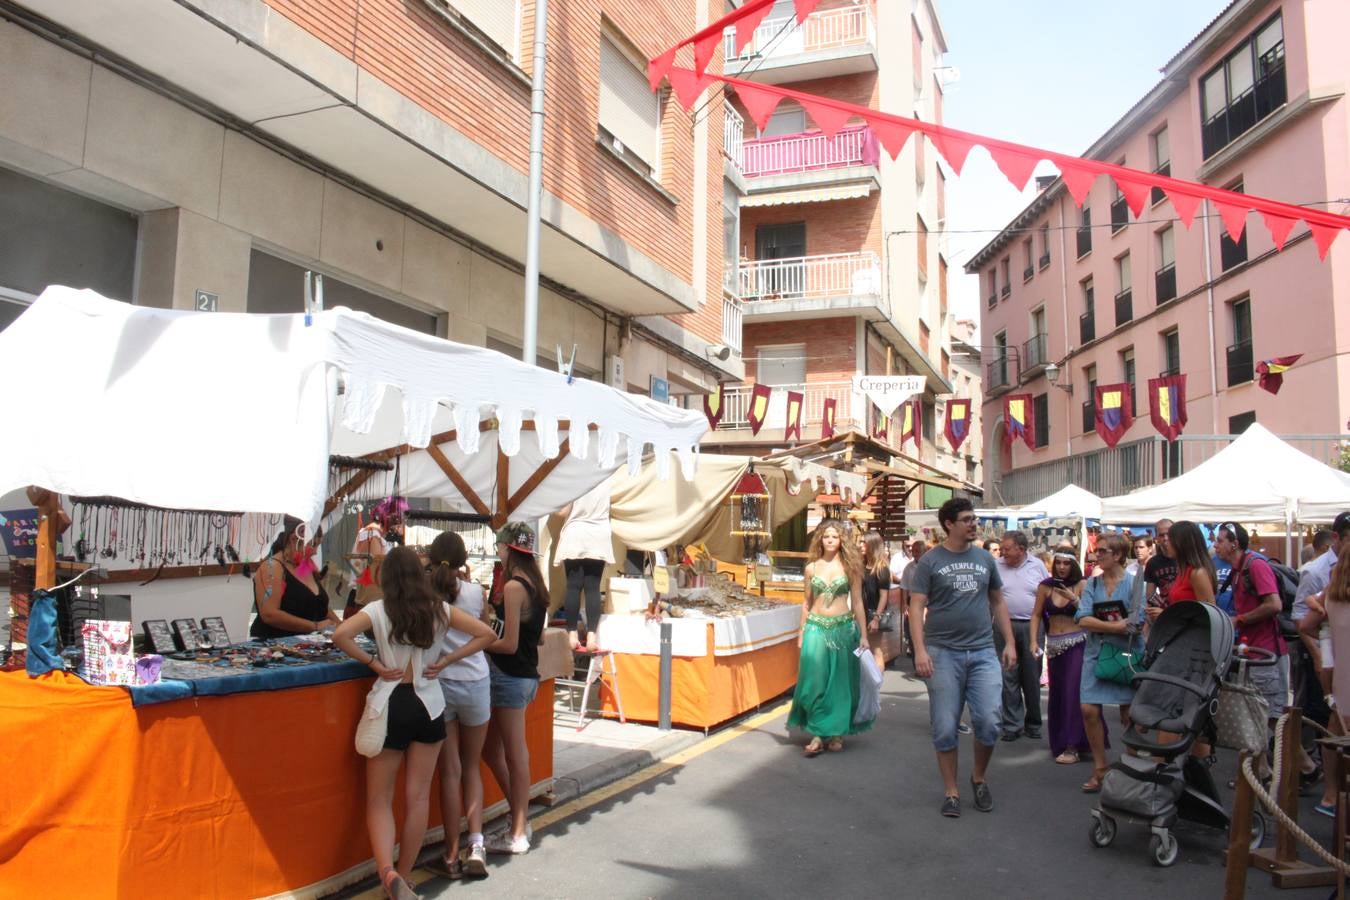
(1161, 569)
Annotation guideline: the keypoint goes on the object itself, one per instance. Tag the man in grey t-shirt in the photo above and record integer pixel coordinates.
(959, 586)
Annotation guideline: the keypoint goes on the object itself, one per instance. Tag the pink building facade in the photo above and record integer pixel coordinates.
(1073, 298)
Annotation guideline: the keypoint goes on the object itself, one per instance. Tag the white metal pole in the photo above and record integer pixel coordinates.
(530, 336)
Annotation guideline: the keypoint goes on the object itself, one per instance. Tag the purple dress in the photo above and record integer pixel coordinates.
(1064, 656)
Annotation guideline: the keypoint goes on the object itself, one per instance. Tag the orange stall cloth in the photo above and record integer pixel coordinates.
(705, 690)
(244, 795)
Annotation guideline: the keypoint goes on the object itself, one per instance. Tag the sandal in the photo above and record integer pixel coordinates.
(1067, 758)
(835, 744)
(395, 888)
(815, 748)
(1094, 784)
(451, 867)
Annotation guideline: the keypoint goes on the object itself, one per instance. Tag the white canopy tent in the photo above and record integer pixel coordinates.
(240, 412)
(1256, 478)
(1070, 500)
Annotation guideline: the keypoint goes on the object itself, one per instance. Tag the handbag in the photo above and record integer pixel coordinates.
(108, 658)
(1120, 664)
(886, 622)
(1240, 720)
(371, 730)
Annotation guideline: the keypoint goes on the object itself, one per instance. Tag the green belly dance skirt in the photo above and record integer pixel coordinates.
(828, 675)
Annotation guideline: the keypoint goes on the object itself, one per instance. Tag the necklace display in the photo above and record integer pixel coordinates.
(115, 529)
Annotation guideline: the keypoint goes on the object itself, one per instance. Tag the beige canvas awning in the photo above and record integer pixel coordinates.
(809, 195)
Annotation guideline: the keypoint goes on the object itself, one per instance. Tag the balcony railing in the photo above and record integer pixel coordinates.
(733, 313)
(1124, 307)
(733, 134)
(1265, 96)
(1156, 195)
(1027, 273)
(1044, 260)
(1120, 214)
(1087, 327)
(1035, 352)
(1089, 416)
(1231, 252)
(808, 151)
(1084, 241)
(993, 300)
(996, 374)
(781, 36)
(814, 396)
(831, 275)
(1240, 363)
(1005, 290)
(1165, 283)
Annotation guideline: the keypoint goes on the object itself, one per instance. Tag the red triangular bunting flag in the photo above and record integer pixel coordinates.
(805, 8)
(1185, 205)
(953, 149)
(1323, 235)
(1115, 412)
(827, 118)
(746, 25)
(1234, 218)
(1279, 226)
(1136, 193)
(1014, 164)
(658, 67)
(1167, 405)
(891, 134)
(827, 417)
(759, 406)
(688, 85)
(704, 48)
(1078, 181)
(713, 406)
(1270, 372)
(760, 103)
(958, 423)
(793, 428)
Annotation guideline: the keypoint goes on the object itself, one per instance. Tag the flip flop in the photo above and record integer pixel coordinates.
(1067, 758)
(834, 745)
(1094, 784)
(815, 748)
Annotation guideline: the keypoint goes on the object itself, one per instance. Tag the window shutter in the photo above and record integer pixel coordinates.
(495, 18)
(628, 108)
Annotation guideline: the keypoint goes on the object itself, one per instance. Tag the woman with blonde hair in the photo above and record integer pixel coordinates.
(876, 580)
(833, 625)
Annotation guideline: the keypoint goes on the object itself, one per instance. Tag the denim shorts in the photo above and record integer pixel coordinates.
(468, 702)
(510, 692)
(1273, 683)
(971, 678)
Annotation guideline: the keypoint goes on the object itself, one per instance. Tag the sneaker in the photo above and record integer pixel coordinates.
(1325, 809)
(475, 864)
(984, 801)
(1033, 733)
(951, 807)
(963, 728)
(504, 843)
(1010, 736)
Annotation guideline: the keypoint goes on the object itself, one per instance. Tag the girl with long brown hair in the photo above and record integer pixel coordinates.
(833, 624)
(408, 624)
(876, 579)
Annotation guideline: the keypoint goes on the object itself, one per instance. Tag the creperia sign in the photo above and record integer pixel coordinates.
(888, 391)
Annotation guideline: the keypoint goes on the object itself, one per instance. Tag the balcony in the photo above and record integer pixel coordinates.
(1044, 261)
(733, 313)
(1240, 363)
(1165, 283)
(798, 287)
(1087, 327)
(1268, 94)
(993, 300)
(1005, 291)
(1084, 240)
(830, 42)
(1232, 253)
(733, 135)
(736, 415)
(1035, 354)
(1089, 416)
(808, 151)
(1124, 307)
(1028, 273)
(1120, 214)
(996, 375)
(1156, 195)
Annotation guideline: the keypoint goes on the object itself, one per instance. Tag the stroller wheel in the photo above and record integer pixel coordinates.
(1258, 829)
(1164, 849)
(1102, 831)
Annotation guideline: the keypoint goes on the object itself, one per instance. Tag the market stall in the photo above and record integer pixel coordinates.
(255, 791)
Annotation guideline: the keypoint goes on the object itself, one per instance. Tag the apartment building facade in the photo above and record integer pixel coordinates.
(838, 263)
(1095, 296)
(201, 155)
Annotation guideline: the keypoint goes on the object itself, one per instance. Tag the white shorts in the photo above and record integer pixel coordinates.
(1324, 640)
(468, 702)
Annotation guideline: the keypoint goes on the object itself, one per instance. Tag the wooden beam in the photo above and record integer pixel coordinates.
(346, 490)
(458, 480)
(513, 503)
(503, 486)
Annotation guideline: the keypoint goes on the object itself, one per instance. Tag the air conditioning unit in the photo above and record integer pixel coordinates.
(618, 146)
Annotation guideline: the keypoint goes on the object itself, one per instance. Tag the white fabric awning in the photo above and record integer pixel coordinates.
(1070, 500)
(239, 412)
(810, 195)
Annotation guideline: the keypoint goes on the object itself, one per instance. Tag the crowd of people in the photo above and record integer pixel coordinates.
(981, 617)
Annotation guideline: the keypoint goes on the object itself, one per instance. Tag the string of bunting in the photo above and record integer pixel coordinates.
(1016, 161)
(705, 41)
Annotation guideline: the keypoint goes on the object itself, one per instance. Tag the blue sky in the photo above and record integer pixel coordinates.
(1050, 73)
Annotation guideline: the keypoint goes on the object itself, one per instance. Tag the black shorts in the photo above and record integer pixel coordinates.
(409, 722)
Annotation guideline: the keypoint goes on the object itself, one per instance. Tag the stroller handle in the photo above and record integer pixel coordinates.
(1255, 656)
(1169, 679)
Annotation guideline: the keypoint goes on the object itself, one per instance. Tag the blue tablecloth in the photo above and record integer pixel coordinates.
(270, 679)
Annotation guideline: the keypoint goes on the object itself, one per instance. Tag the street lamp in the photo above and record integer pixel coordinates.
(1052, 375)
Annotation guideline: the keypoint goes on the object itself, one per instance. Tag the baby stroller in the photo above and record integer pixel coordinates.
(1189, 649)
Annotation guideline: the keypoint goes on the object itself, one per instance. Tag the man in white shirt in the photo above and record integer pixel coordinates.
(1021, 574)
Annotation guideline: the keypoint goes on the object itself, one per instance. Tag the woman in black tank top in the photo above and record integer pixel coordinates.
(289, 598)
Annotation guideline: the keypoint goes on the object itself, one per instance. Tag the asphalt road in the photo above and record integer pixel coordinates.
(745, 814)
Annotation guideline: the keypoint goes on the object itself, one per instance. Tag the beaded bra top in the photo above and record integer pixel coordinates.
(832, 588)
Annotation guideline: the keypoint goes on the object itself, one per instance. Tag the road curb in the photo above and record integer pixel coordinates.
(598, 775)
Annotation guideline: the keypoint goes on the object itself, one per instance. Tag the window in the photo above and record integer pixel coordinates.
(497, 20)
(1165, 279)
(1029, 254)
(1171, 352)
(921, 230)
(916, 51)
(1045, 245)
(731, 237)
(1241, 422)
(993, 287)
(1084, 231)
(1007, 277)
(1090, 399)
(1232, 253)
(1035, 352)
(1120, 209)
(1127, 371)
(920, 160)
(1240, 351)
(998, 367)
(1124, 298)
(1161, 150)
(1040, 411)
(630, 114)
(788, 118)
(1087, 322)
(1244, 88)
(274, 283)
(928, 418)
(784, 364)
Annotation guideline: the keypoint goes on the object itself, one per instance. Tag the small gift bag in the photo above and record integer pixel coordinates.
(108, 658)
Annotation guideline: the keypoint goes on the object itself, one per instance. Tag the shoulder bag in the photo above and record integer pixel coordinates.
(1120, 664)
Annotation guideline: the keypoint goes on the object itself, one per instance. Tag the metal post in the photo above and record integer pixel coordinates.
(536, 187)
(663, 698)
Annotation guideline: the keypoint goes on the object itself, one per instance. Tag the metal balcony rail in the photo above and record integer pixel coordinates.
(1240, 363)
(1156, 195)
(733, 134)
(733, 313)
(1165, 283)
(1028, 272)
(1035, 352)
(996, 374)
(804, 152)
(814, 395)
(1044, 261)
(830, 275)
(781, 36)
(1005, 290)
(1124, 307)
(1087, 327)
(1089, 416)
(1267, 94)
(1084, 241)
(1120, 214)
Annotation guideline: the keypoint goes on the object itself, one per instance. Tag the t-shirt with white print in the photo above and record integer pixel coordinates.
(957, 586)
